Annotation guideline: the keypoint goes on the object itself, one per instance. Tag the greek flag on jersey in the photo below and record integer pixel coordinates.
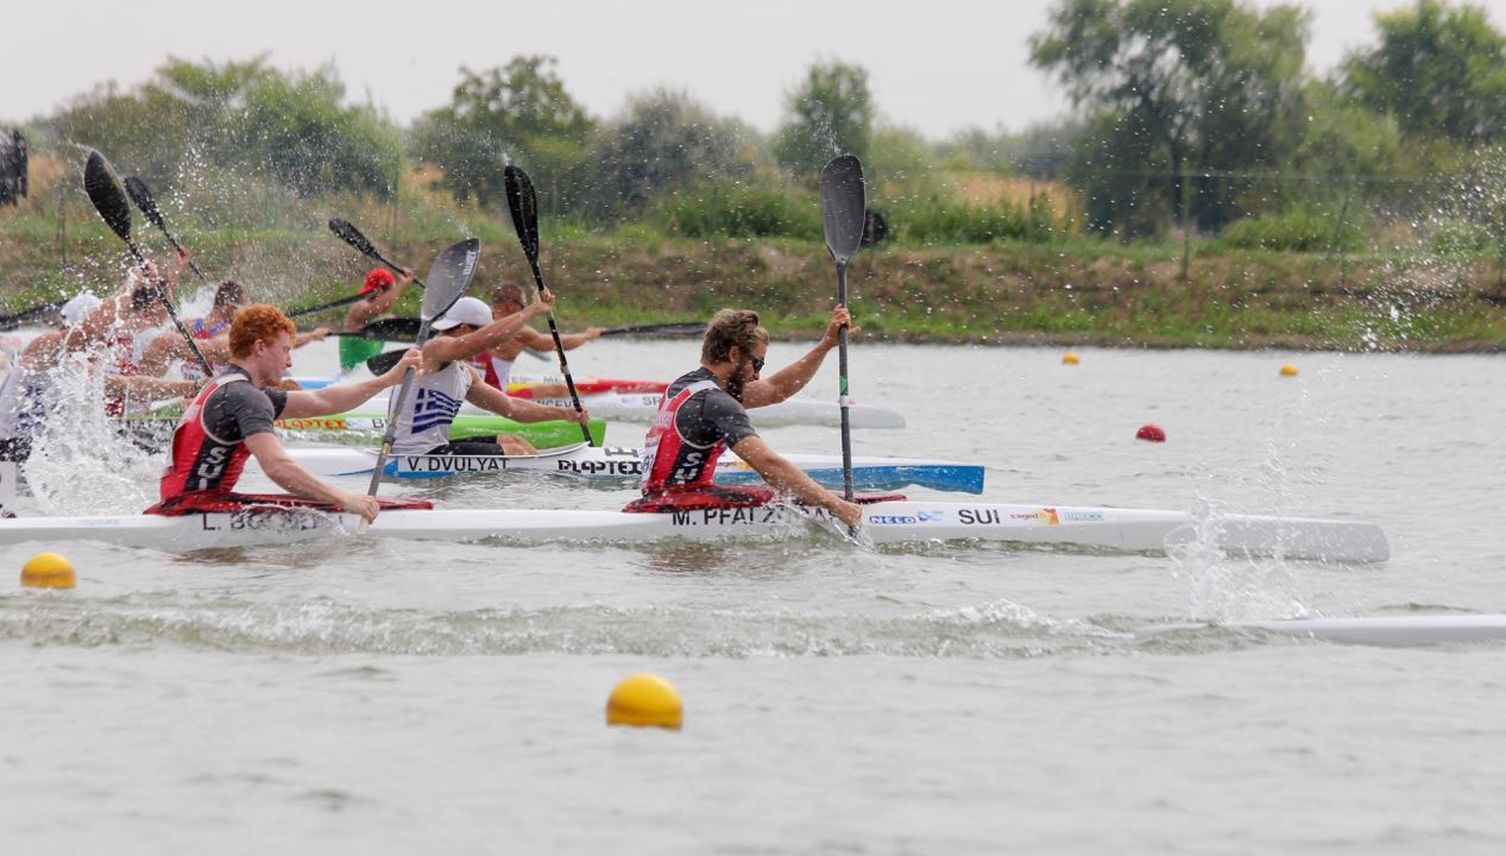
(431, 410)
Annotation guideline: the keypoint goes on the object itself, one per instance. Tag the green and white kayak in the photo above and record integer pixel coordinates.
(365, 427)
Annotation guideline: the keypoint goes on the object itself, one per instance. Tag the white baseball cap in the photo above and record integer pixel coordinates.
(466, 310)
(78, 308)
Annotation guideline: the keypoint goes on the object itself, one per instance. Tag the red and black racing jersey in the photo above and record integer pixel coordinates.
(208, 451)
(696, 422)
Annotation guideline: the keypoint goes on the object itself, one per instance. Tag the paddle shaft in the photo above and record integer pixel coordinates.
(559, 348)
(333, 304)
(26, 316)
(192, 265)
(842, 399)
(171, 312)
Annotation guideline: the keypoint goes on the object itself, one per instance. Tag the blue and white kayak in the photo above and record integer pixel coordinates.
(623, 466)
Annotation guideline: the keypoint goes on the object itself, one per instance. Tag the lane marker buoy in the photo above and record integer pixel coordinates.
(47, 570)
(645, 700)
(1151, 432)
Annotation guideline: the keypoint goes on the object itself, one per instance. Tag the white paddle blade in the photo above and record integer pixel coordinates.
(448, 277)
(842, 206)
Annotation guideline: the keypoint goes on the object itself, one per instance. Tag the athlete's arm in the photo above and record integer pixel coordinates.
(786, 477)
(453, 349)
(793, 377)
(146, 386)
(340, 397)
(298, 481)
(537, 341)
(490, 398)
(362, 312)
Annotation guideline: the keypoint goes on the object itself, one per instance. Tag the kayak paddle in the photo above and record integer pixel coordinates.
(842, 218)
(524, 207)
(449, 275)
(148, 205)
(351, 235)
(103, 186)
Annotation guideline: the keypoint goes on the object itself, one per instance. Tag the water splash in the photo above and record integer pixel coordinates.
(81, 462)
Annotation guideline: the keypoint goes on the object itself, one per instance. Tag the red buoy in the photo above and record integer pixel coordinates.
(1151, 432)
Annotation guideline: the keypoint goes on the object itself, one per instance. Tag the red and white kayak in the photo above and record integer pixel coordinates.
(892, 522)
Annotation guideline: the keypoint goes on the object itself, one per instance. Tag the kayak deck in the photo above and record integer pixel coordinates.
(618, 467)
(893, 522)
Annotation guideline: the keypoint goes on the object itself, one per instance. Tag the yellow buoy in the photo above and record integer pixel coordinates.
(47, 570)
(1069, 358)
(645, 699)
(1288, 370)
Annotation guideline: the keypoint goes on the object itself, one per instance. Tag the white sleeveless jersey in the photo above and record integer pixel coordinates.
(432, 405)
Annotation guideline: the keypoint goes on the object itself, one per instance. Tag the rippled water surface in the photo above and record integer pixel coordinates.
(388, 697)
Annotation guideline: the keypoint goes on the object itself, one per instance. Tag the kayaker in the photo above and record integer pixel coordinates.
(384, 290)
(27, 389)
(495, 364)
(449, 377)
(703, 414)
(231, 419)
(211, 334)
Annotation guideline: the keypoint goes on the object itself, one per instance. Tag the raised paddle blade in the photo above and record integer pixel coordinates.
(145, 201)
(351, 235)
(448, 277)
(109, 197)
(842, 206)
(523, 205)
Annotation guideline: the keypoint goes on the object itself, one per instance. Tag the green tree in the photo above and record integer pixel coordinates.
(521, 112)
(292, 128)
(1438, 70)
(830, 114)
(1174, 88)
(664, 141)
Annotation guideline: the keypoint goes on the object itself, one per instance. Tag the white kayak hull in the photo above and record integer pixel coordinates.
(1384, 630)
(1111, 529)
(622, 466)
(641, 407)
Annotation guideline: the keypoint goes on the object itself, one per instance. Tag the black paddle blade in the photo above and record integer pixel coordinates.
(107, 194)
(449, 275)
(842, 206)
(351, 235)
(391, 330)
(523, 205)
(383, 362)
(144, 200)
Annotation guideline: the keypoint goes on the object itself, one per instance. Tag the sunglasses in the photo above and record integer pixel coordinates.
(757, 363)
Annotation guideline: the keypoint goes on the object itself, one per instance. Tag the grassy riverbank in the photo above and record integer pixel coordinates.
(1083, 291)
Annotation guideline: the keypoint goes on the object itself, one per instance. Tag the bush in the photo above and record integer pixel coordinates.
(1304, 229)
(739, 210)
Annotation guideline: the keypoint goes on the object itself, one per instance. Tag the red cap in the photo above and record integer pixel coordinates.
(378, 278)
(1151, 432)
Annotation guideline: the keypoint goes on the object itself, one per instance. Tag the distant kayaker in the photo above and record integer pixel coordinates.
(231, 419)
(495, 364)
(703, 414)
(165, 345)
(449, 377)
(384, 290)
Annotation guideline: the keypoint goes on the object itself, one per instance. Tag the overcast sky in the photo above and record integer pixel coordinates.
(935, 65)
